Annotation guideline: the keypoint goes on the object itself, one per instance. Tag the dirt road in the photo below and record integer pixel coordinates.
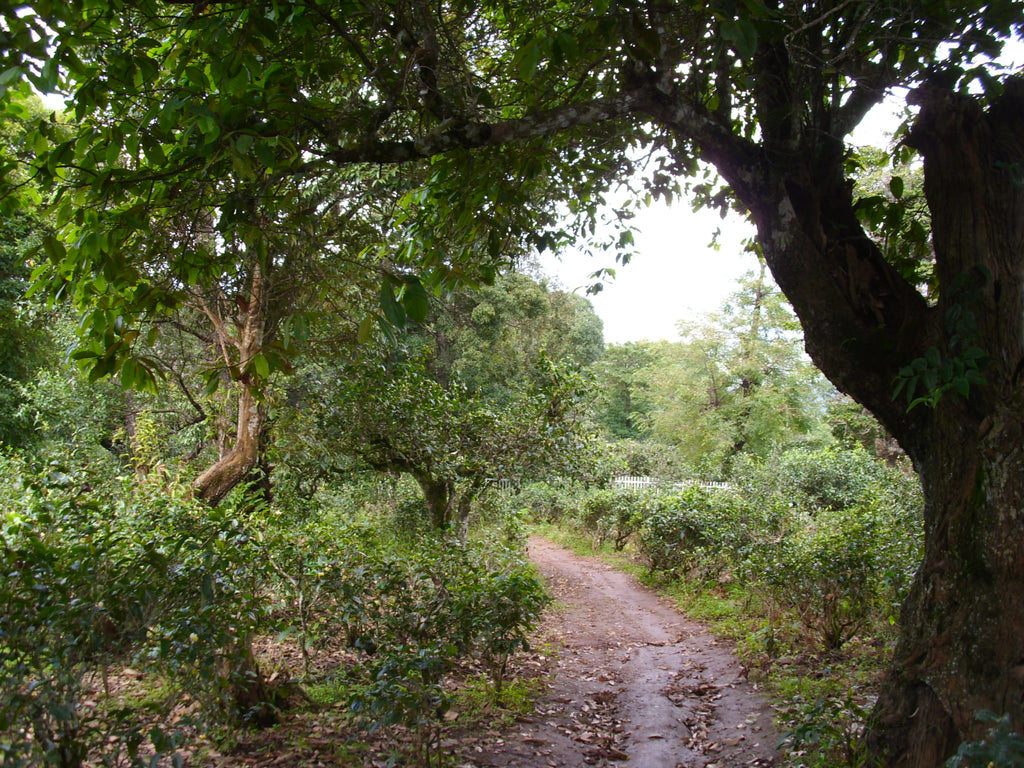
(633, 680)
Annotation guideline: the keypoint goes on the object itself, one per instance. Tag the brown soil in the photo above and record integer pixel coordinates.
(634, 680)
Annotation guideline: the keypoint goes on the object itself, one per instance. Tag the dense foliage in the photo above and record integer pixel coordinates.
(210, 139)
(129, 576)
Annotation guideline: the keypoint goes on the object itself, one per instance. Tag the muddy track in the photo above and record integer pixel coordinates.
(632, 679)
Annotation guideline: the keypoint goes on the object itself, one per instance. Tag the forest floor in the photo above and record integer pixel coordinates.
(622, 677)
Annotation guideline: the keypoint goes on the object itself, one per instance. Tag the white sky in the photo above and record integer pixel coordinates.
(675, 274)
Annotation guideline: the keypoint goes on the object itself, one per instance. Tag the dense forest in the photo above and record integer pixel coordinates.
(277, 370)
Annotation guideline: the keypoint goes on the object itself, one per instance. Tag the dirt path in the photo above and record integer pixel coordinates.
(633, 680)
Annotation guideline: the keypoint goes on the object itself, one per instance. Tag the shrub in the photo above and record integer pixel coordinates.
(825, 573)
(831, 478)
(842, 564)
(675, 531)
(423, 614)
(1001, 748)
(833, 537)
(614, 514)
(138, 575)
(545, 502)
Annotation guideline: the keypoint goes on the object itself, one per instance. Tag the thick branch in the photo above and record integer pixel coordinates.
(468, 135)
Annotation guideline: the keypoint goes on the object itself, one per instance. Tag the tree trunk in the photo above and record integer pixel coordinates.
(465, 507)
(217, 481)
(439, 496)
(961, 647)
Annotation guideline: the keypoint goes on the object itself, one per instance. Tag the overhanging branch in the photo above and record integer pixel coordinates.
(472, 135)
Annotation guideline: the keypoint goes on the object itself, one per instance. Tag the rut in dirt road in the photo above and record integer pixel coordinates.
(634, 680)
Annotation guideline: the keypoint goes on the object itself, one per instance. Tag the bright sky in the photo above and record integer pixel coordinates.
(675, 274)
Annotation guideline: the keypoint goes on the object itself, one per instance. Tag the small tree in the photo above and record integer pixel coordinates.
(395, 417)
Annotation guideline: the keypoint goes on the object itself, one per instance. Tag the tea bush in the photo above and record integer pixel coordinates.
(98, 579)
(1001, 748)
(833, 537)
(676, 531)
(547, 502)
(424, 614)
(615, 515)
(825, 572)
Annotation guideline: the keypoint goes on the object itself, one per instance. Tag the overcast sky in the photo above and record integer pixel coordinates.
(675, 274)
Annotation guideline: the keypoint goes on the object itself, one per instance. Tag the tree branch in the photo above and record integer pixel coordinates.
(471, 134)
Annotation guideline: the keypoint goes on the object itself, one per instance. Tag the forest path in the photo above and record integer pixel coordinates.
(632, 680)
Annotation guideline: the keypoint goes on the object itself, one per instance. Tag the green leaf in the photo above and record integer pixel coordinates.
(10, 75)
(415, 300)
(896, 187)
(365, 329)
(48, 76)
(153, 151)
(260, 365)
(743, 35)
(528, 59)
(392, 309)
(244, 142)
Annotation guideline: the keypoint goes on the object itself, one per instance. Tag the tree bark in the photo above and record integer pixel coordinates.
(217, 481)
(439, 496)
(961, 647)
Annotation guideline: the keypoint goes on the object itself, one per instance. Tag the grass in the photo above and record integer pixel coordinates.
(477, 701)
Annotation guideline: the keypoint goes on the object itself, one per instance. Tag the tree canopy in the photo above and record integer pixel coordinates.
(736, 382)
(487, 390)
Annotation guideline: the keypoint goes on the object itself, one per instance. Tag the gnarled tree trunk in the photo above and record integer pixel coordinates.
(440, 498)
(218, 480)
(961, 648)
(246, 342)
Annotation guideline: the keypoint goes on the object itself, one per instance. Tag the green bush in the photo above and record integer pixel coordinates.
(839, 555)
(1001, 748)
(830, 478)
(546, 502)
(95, 580)
(676, 531)
(833, 537)
(614, 514)
(422, 615)
(825, 572)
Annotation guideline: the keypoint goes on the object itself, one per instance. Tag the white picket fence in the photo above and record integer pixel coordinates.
(623, 481)
(638, 483)
(505, 484)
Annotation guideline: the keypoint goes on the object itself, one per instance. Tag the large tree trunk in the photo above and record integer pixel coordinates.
(961, 647)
